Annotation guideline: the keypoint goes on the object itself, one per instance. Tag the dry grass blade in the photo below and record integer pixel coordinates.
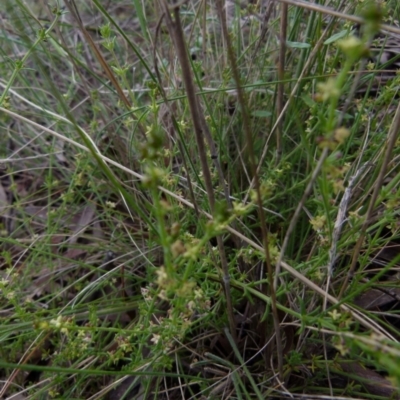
(329, 11)
(389, 146)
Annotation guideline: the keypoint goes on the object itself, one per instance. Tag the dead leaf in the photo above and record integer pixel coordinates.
(85, 219)
(374, 298)
(374, 383)
(4, 204)
(5, 210)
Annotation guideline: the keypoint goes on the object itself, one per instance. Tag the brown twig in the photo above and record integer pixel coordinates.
(281, 77)
(110, 75)
(173, 119)
(73, 10)
(249, 140)
(200, 129)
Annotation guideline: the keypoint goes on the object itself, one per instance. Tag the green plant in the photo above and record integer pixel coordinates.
(190, 207)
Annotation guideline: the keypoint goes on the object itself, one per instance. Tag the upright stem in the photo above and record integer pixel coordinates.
(281, 77)
(200, 129)
(253, 165)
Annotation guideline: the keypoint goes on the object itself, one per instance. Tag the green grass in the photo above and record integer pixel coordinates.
(164, 233)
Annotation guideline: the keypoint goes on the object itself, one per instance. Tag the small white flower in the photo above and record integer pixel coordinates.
(4, 282)
(156, 338)
(57, 322)
(10, 295)
(111, 204)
